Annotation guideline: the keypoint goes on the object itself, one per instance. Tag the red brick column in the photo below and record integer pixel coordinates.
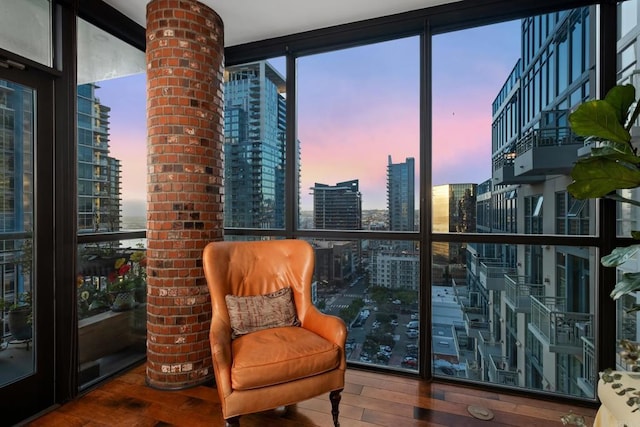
(185, 55)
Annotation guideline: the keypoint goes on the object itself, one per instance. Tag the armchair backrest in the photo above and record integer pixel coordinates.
(257, 268)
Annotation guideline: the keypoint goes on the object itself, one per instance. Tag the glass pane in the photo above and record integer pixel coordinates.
(519, 316)
(17, 125)
(379, 303)
(112, 313)
(112, 152)
(527, 156)
(627, 17)
(254, 147)
(358, 130)
(32, 40)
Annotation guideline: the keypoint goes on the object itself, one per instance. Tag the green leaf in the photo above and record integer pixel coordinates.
(635, 235)
(598, 176)
(629, 284)
(621, 98)
(619, 256)
(615, 151)
(598, 118)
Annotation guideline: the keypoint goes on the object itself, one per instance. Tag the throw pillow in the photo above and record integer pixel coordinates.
(254, 313)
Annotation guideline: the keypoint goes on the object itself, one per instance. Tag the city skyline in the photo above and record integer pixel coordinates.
(348, 112)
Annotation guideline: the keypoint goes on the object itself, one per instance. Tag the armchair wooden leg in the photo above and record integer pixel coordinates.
(232, 422)
(335, 397)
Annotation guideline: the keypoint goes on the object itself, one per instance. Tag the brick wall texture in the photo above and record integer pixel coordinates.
(185, 65)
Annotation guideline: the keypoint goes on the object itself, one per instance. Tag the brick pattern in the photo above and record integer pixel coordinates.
(185, 65)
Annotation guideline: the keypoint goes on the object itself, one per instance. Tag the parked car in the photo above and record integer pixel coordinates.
(385, 348)
(412, 333)
(414, 324)
(409, 362)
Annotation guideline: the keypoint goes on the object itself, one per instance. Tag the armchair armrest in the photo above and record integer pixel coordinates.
(220, 338)
(329, 327)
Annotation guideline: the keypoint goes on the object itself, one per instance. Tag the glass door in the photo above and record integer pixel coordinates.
(26, 241)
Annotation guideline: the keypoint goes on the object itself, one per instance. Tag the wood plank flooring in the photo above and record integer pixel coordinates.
(369, 399)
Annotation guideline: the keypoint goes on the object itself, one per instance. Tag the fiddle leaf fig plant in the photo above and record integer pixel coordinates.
(613, 164)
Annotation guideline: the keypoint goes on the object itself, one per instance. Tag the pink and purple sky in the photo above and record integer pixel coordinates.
(358, 106)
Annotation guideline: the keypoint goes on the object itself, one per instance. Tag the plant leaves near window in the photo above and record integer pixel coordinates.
(619, 256)
(605, 118)
(621, 98)
(630, 283)
(599, 119)
(598, 176)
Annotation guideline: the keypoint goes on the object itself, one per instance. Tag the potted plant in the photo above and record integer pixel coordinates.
(612, 165)
(20, 317)
(127, 280)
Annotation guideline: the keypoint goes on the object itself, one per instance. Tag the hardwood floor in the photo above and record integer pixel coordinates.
(369, 399)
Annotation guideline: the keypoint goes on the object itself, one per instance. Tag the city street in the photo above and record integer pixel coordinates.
(358, 331)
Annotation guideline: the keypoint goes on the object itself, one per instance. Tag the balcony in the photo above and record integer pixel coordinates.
(555, 327)
(110, 336)
(488, 346)
(474, 323)
(503, 172)
(518, 292)
(492, 275)
(589, 379)
(550, 151)
(500, 371)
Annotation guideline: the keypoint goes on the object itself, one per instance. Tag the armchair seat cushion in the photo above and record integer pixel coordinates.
(280, 355)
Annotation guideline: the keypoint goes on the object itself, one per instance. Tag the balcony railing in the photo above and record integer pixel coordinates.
(488, 346)
(501, 372)
(560, 329)
(589, 379)
(546, 151)
(518, 291)
(549, 137)
(475, 323)
(111, 335)
(492, 275)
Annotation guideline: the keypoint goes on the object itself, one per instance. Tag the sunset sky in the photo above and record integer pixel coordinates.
(358, 106)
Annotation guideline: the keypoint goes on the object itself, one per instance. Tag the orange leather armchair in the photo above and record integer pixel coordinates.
(279, 366)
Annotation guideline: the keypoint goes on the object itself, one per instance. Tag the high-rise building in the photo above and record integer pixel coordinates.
(401, 195)
(16, 173)
(99, 175)
(454, 211)
(254, 146)
(530, 307)
(337, 207)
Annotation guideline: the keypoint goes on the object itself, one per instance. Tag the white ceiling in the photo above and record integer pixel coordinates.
(252, 20)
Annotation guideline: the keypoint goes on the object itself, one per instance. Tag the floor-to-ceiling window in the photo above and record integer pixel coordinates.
(360, 103)
(507, 295)
(111, 183)
(513, 294)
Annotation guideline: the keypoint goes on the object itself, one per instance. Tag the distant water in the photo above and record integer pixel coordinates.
(134, 223)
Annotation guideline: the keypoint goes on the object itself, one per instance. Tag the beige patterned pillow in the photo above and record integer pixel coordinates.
(254, 313)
